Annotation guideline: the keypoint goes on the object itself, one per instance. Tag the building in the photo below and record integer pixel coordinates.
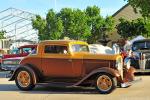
(4, 46)
(126, 12)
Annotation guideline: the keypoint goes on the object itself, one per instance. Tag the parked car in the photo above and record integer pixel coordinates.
(3, 52)
(69, 63)
(10, 62)
(141, 51)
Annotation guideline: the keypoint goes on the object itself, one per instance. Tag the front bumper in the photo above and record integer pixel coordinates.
(9, 67)
(127, 84)
(142, 71)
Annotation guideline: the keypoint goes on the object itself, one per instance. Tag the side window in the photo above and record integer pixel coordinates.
(56, 49)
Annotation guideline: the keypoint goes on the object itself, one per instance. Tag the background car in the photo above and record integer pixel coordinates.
(10, 62)
(141, 51)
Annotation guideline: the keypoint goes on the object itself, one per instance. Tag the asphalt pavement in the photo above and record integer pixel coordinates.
(138, 91)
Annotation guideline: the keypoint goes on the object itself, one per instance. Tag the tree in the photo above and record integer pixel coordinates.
(40, 24)
(133, 28)
(98, 25)
(2, 33)
(123, 28)
(142, 5)
(66, 14)
(50, 28)
(76, 24)
(54, 26)
(147, 26)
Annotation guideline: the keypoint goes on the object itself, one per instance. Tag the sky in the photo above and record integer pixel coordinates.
(108, 7)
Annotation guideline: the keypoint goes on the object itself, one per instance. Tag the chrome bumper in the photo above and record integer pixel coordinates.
(141, 70)
(9, 67)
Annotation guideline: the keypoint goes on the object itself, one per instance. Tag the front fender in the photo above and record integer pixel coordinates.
(108, 70)
(12, 78)
(24, 67)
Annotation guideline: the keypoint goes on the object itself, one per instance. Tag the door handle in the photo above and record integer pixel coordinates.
(70, 60)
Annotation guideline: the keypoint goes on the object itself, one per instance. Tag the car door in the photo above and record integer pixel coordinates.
(56, 61)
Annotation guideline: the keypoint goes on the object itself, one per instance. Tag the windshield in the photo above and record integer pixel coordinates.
(141, 46)
(27, 50)
(14, 51)
(80, 48)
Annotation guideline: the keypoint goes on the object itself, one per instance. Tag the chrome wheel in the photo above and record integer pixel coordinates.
(23, 79)
(105, 83)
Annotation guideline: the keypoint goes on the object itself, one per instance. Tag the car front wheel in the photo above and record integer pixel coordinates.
(24, 80)
(106, 83)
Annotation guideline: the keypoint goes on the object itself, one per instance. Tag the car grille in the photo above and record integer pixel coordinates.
(147, 65)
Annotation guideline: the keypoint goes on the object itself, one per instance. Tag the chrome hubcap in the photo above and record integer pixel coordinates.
(104, 83)
(23, 79)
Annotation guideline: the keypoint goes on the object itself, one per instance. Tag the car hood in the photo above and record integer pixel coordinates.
(97, 56)
(102, 56)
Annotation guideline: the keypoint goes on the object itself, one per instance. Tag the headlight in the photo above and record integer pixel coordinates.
(10, 62)
(119, 65)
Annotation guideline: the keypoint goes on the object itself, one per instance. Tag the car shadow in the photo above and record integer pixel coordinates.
(49, 90)
(142, 74)
(8, 87)
(61, 90)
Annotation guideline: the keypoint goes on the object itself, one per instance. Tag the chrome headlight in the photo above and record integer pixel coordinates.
(10, 62)
(119, 65)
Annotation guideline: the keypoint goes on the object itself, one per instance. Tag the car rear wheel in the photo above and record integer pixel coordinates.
(105, 83)
(24, 80)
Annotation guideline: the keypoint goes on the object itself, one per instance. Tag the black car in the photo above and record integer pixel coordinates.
(141, 50)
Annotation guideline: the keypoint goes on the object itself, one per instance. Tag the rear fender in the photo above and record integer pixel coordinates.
(107, 70)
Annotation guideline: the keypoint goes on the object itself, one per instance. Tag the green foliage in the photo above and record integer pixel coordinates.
(54, 26)
(76, 24)
(2, 33)
(40, 24)
(147, 26)
(133, 28)
(99, 25)
(143, 5)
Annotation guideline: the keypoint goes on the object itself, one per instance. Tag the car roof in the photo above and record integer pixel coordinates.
(143, 40)
(61, 42)
(29, 46)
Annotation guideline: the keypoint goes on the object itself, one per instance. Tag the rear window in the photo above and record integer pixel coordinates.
(55, 49)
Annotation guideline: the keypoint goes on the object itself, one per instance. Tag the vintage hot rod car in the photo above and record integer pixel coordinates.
(69, 63)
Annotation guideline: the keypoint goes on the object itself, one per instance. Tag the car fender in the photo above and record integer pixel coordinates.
(29, 69)
(108, 70)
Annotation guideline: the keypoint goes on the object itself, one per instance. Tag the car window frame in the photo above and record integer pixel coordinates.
(43, 51)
